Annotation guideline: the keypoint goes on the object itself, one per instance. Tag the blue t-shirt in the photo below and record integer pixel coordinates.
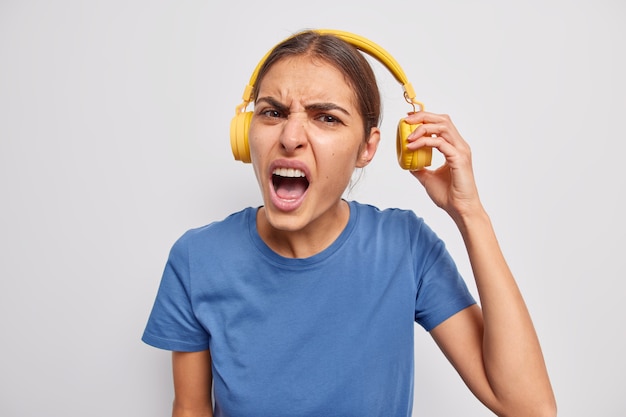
(328, 335)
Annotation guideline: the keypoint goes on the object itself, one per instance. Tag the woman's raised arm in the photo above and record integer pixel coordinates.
(495, 348)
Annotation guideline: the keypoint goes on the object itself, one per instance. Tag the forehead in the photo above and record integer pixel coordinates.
(305, 74)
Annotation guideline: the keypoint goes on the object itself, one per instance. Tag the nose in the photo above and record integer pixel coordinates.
(294, 135)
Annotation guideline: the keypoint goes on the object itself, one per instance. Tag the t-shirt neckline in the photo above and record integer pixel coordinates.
(284, 261)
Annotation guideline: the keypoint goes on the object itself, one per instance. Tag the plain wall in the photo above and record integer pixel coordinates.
(114, 124)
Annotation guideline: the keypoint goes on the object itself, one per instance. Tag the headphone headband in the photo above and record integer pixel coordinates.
(359, 42)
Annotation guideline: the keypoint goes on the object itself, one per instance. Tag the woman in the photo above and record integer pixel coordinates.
(306, 306)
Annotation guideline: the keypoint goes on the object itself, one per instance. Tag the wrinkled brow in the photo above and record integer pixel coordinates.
(314, 106)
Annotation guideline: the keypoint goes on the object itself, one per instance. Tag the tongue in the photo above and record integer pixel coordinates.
(290, 188)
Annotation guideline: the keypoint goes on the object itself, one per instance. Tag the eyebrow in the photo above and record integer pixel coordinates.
(314, 106)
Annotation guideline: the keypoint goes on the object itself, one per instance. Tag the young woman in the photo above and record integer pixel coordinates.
(306, 305)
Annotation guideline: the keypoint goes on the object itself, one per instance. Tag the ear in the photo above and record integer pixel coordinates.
(368, 149)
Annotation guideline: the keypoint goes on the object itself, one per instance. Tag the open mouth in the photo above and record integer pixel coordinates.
(289, 183)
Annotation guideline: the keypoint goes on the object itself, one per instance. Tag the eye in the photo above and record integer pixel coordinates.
(329, 119)
(271, 113)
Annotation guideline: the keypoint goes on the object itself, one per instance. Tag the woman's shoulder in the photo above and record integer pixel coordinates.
(232, 225)
(399, 223)
(373, 212)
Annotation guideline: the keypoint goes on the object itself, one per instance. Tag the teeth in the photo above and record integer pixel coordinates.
(288, 172)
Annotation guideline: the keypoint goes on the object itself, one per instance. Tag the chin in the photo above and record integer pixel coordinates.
(292, 221)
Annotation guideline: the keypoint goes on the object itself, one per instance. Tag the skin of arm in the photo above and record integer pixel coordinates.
(494, 348)
(192, 384)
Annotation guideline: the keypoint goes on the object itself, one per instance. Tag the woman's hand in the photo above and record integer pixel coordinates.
(451, 186)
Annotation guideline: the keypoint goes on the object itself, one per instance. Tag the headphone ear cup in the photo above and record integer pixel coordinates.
(239, 127)
(411, 160)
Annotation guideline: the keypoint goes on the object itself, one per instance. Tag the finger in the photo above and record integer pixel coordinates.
(427, 117)
(433, 124)
(422, 175)
(429, 130)
(438, 142)
(439, 136)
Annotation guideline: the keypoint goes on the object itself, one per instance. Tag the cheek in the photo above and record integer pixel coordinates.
(256, 153)
(256, 144)
(340, 164)
(346, 155)
(261, 138)
(253, 132)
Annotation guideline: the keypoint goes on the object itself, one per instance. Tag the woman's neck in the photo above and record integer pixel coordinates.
(311, 240)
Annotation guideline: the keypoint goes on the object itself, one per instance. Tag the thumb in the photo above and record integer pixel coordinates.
(422, 175)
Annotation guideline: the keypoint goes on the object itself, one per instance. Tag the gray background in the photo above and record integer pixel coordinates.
(114, 119)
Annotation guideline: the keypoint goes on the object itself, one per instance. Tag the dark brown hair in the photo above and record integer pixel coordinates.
(343, 56)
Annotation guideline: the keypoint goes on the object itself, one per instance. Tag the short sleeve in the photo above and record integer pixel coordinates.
(441, 290)
(172, 324)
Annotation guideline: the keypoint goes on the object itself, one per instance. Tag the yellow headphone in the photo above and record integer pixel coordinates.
(411, 160)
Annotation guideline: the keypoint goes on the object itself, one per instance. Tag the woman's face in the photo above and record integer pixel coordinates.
(306, 137)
